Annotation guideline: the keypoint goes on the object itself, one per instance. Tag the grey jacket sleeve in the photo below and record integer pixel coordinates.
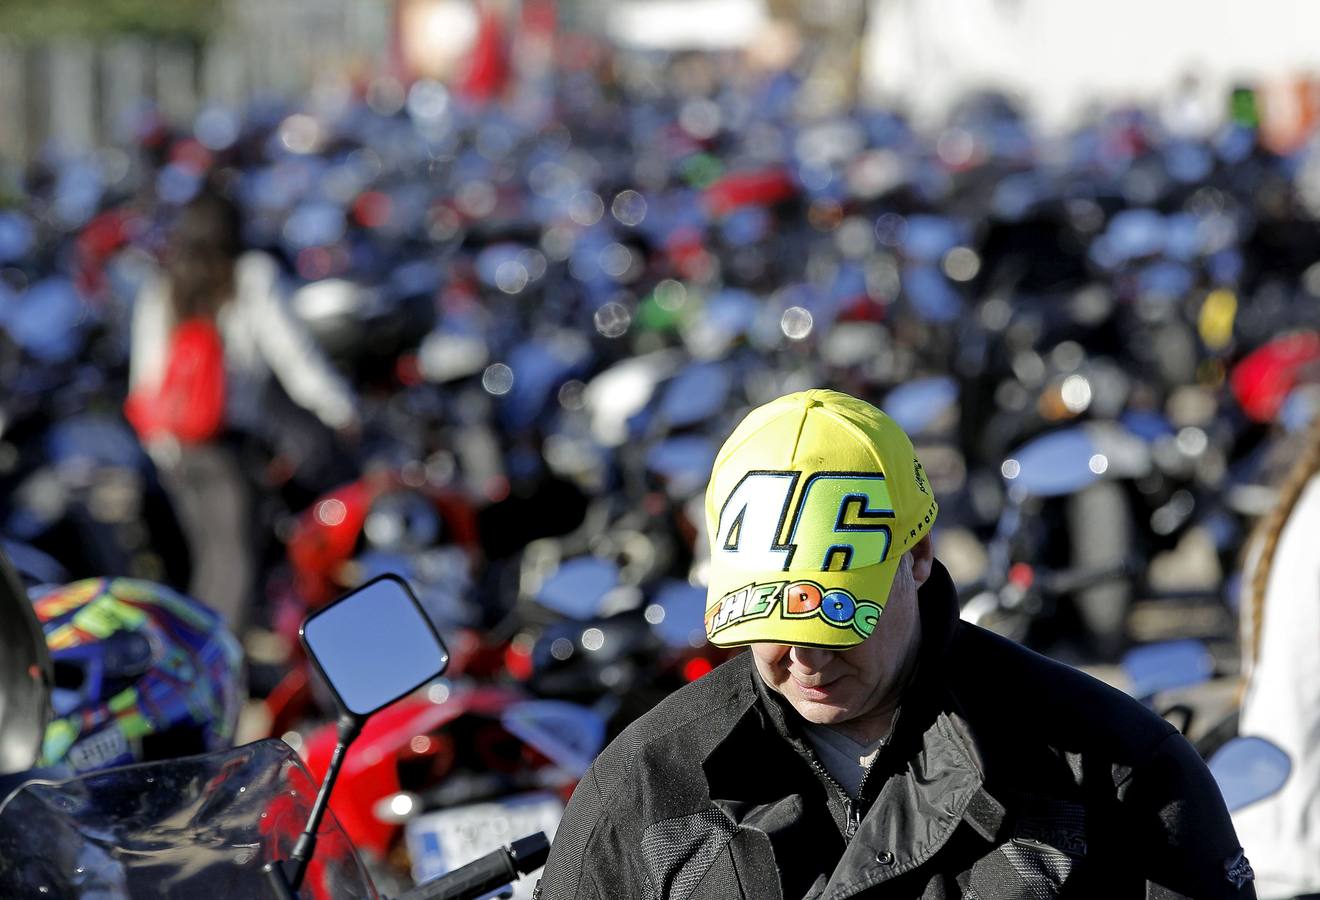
(595, 855)
(287, 347)
(1180, 829)
(568, 872)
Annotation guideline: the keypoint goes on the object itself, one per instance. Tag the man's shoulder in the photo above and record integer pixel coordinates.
(1029, 694)
(652, 772)
(681, 729)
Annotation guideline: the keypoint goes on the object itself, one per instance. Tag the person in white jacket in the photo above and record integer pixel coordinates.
(1281, 648)
(205, 274)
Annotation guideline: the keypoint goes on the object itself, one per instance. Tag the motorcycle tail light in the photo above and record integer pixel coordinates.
(696, 667)
(1021, 576)
(518, 658)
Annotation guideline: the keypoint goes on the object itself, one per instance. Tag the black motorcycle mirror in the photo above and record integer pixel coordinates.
(371, 646)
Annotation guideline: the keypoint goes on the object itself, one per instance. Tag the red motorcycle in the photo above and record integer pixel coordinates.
(330, 549)
(449, 773)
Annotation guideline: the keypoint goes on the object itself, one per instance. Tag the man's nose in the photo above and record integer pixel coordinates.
(811, 658)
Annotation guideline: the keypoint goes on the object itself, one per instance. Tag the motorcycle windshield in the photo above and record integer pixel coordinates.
(201, 826)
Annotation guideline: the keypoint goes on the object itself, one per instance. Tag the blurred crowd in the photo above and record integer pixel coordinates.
(490, 335)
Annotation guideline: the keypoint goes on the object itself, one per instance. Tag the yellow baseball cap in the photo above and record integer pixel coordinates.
(812, 502)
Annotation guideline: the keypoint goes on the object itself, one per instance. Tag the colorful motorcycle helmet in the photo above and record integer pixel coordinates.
(141, 672)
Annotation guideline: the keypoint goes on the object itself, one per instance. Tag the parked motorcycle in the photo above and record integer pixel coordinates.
(236, 821)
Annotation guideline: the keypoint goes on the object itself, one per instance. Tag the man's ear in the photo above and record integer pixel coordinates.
(923, 559)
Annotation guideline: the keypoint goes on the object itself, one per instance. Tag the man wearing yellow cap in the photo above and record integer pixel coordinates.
(871, 744)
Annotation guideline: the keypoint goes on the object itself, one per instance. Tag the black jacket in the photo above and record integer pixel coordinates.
(1007, 775)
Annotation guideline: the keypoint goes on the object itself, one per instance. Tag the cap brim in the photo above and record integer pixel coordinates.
(834, 610)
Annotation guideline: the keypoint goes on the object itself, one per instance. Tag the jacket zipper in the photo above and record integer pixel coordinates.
(852, 811)
(866, 776)
(853, 808)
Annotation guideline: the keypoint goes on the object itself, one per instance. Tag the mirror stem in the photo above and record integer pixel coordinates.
(350, 727)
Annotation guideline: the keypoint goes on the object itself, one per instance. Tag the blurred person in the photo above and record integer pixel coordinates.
(870, 743)
(211, 337)
(1281, 703)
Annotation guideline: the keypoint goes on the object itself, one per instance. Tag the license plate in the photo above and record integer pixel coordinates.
(440, 842)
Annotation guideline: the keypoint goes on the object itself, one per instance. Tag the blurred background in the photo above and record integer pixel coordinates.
(78, 75)
(480, 287)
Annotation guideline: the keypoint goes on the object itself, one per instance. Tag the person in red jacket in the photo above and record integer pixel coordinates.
(211, 334)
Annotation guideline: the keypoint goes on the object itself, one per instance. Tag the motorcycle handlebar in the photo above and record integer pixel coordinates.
(486, 873)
